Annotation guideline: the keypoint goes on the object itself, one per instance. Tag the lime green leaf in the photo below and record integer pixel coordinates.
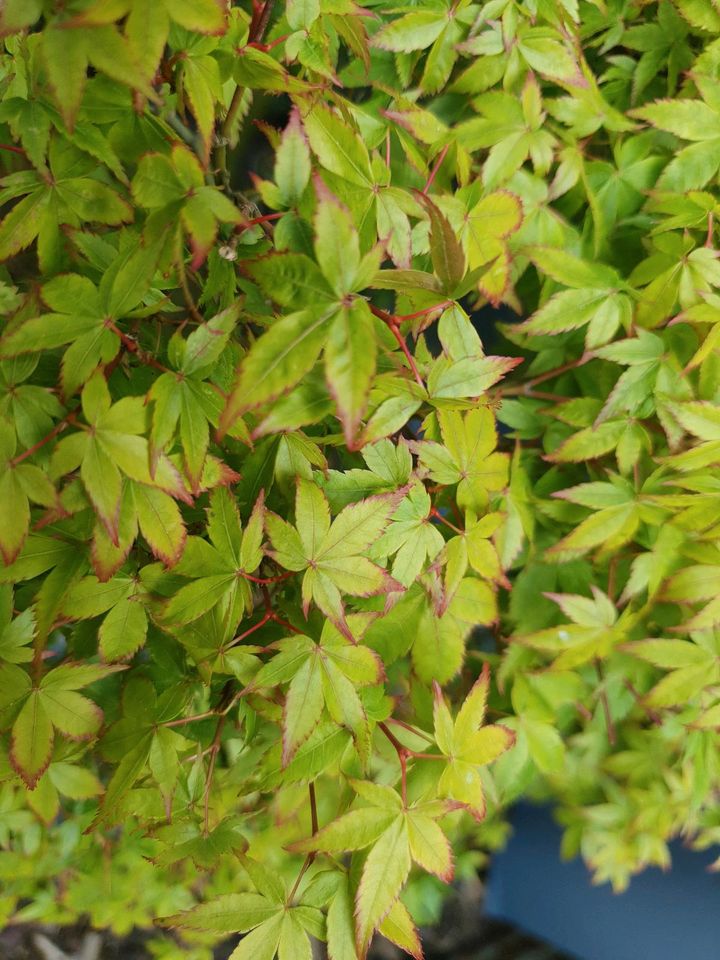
(74, 781)
(22, 224)
(228, 913)
(398, 927)
(292, 162)
(429, 847)
(303, 706)
(350, 363)
(203, 16)
(337, 146)
(413, 31)
(262, 942)
(123, 630)
(32, 740)
(385, 871)
(337, 246)
(277, 361)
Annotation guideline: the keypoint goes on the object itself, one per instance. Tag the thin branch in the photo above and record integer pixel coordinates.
(406, 726)
(258, 28)
(392, 324)
(58, 428)
(313, 808)
(402, 755)
(425, 311)
(652, 714)
(436, 167)
(303, 869)
(187, 293)
(285, 623)
(525, 388)
(434, 512)
(583, 711)
(214, 750)
(182, 130)
(265, 218)
(282, 576)
(183, 720)
(602, 695)
(133, 347)
(236, 640)
(314, 828)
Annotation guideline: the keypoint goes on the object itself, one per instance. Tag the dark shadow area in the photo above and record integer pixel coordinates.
(662, 916)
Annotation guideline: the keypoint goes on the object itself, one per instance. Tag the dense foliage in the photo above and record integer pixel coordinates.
(270, 507)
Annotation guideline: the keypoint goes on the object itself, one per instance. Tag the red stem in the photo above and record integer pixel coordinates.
(266, 47)
(411, 729)
(282, 576)
(402, 755)
(526, 388)
(263, 219)
(392, 323)
(422, 313)
(12, 149)
(261, 623)
(436, 167)
(132, 346)
(434, 512)
(58, 428)
(284, 623)
(260, 19)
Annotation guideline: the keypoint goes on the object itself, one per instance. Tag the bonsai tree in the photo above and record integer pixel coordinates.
(276, 509)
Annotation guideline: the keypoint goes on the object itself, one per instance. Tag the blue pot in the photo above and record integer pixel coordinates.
(662, 916)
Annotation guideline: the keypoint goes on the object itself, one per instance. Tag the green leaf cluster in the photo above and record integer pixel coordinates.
(287, 513)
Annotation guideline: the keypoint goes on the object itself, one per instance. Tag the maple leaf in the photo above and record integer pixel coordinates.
(468, 745)
(333, 554)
